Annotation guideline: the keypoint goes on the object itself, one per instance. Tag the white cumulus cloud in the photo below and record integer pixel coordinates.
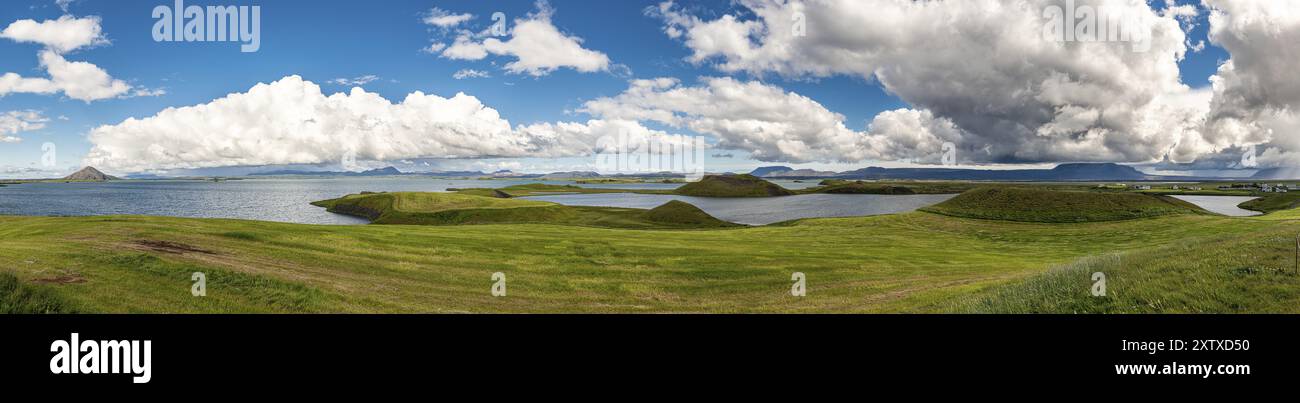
(355, 81)
(537, 46)
(63, 35)
(444, 19)
(15, 122)
(291, 121)
(470, 73)
(776, 125)
(1256, 96)
(984, 66)
(78, 80)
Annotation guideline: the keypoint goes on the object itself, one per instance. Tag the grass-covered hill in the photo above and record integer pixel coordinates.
(1051, 206)
(415, 208)
(679, 212)
(732, 186)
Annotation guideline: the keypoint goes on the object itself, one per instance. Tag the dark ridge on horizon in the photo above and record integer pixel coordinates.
(1067, 172)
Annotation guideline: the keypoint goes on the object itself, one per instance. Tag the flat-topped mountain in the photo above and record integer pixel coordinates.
(571, 175)
(1063, 172)
(89, 174)
(765, 171)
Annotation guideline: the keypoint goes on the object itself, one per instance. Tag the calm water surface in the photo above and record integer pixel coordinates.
(288, 200)
(1226, 205)
(283, 200)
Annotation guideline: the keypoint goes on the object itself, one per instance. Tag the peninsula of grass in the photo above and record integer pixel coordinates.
(1048, 206)
(415, 208)
(732, 186)
(860, 187)
(543, 189)
(1272, 202)
(398, 207)
(608, 181)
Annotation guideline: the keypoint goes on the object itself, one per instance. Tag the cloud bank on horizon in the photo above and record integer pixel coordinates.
(975, 73)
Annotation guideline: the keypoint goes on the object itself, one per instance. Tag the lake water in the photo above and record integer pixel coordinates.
(288, 200)
(1226, 205)
(763, 210)
(283, 200)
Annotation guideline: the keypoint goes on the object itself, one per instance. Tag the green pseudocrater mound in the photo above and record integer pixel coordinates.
(1040, 205)
(678, 212)
(732, 186)
(414, 208)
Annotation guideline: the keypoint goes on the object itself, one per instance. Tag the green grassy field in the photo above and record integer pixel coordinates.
(916, 262)
(1159, 257)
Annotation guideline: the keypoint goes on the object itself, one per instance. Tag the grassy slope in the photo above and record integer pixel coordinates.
(901, 263)
(1283, 215)
(1038, 205)
(1271, 202)
(1240, 273)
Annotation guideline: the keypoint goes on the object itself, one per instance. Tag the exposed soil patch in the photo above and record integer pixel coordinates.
(170, 247)
(65, 279)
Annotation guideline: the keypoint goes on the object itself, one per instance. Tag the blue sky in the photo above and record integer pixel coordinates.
(327, 40)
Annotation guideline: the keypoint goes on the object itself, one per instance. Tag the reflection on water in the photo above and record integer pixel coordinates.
(1226, 205)
(764, 210)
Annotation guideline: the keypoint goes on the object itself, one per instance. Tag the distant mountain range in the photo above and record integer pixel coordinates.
(1082, 172)
(386, 171)
(763, 172)
(1277, 173)
(1063, 172)
(571, 175)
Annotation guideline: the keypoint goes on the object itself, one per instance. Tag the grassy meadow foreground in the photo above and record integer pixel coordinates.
(436, 253)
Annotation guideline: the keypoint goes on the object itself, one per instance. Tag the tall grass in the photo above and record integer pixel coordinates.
(1251, 273)
(1059, 290)
(16, 297)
